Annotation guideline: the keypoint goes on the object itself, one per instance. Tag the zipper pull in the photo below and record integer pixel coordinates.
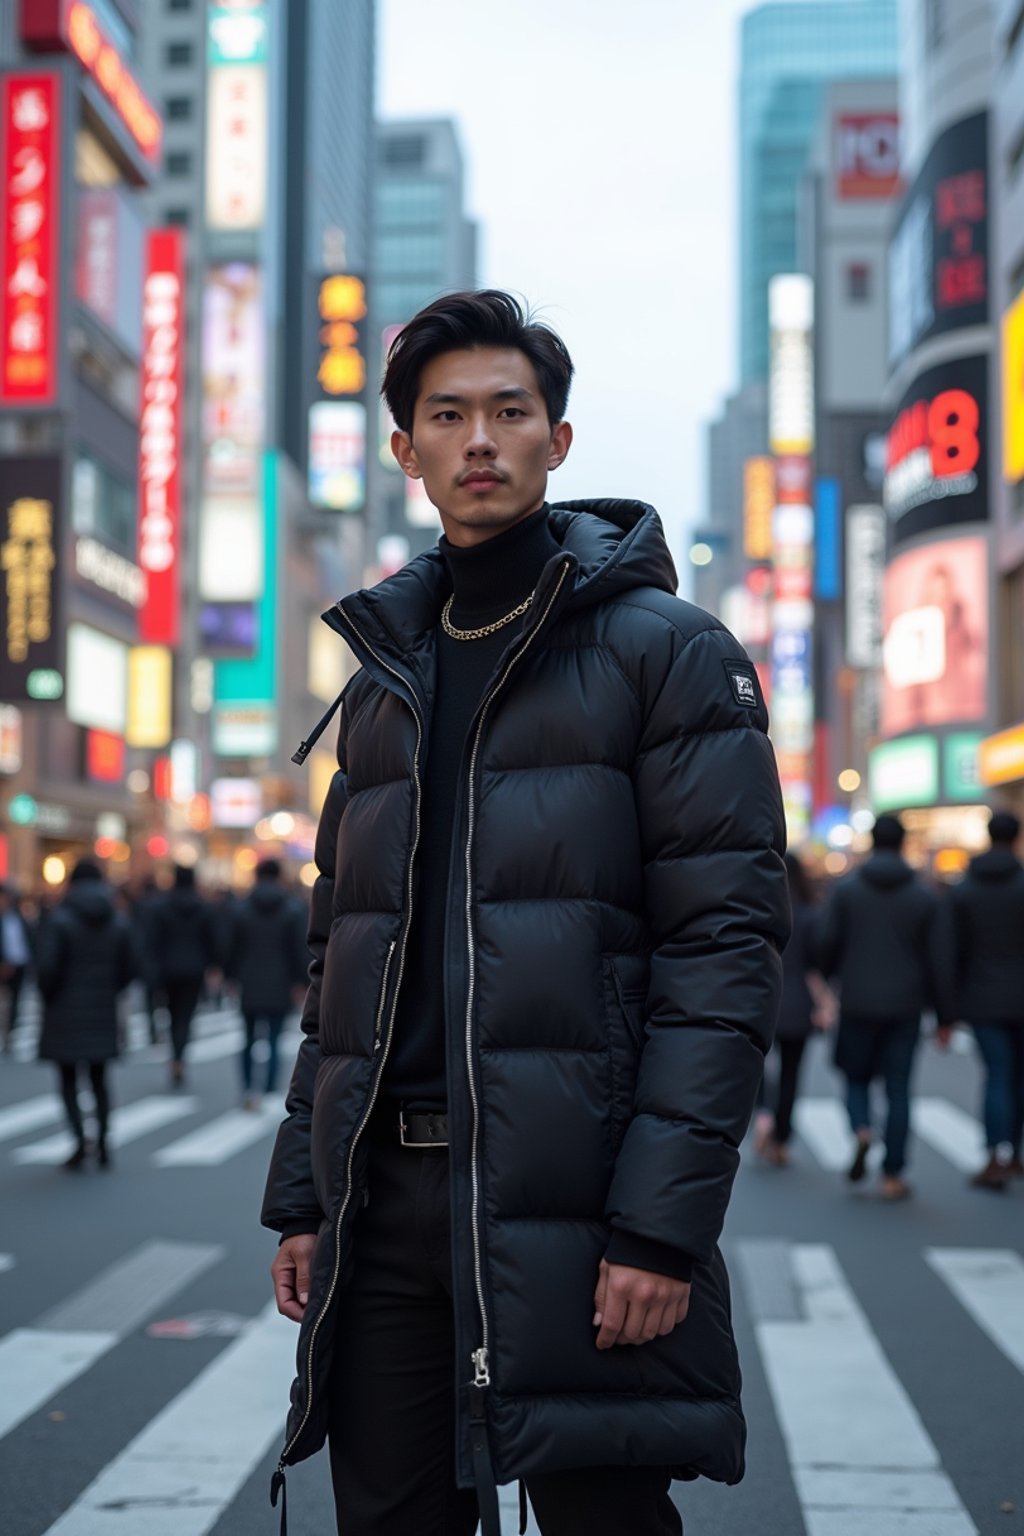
(483, 1469)
(278, 1486)
(481, 1372)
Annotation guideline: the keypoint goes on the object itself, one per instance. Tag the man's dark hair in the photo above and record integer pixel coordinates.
(486, 317)
(888, 833)
(268, 869)
(85, 869)
(1004, 828)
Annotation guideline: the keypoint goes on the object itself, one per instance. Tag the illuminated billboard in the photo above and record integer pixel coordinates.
(236, 117)
(936, 626)
(30, 168)
(867, 155)
(31, 658)
(938, 256)
(97, 675)
(1013, 391)
(160, 445)
(791, 375)
(936, 458)
(758, 504)
(337, 455)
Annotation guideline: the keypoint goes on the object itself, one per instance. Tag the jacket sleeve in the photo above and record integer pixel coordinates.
(827, 935)
(290, 1204)
(712, 834)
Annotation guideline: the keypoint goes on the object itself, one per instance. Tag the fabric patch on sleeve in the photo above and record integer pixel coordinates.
(743, 681)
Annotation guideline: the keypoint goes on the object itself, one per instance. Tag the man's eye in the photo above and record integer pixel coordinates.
(513, 410)
(447, 416)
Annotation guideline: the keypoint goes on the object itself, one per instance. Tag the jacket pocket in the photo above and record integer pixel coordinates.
(624, 1033)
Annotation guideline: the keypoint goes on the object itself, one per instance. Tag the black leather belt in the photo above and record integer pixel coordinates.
(422, 1128)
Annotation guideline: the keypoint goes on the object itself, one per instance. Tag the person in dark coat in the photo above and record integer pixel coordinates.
(879, 939)
(546, 933)
(268, 963)
(184, 948)
(143, 910)
(86, 959)
(985, 928)
(15, 959)
(807, 1004)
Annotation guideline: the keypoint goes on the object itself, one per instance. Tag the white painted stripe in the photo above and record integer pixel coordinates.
(862, 1460)
(213, 1047)
(177, 1476)
(950, 1131)
(223, 1137)
(37, 1362)
(989, 1283)
(29, 1116)
(824, 1126)
(126, 1125)
(6, 1262)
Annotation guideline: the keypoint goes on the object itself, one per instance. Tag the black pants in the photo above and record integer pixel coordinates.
(13, 986)
(275, 1024)
(392, 1428)
(182, 997)
(69, 1072)
(788, 1054)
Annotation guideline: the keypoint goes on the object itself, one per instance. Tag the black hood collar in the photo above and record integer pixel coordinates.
(996, 864)
(886, 868)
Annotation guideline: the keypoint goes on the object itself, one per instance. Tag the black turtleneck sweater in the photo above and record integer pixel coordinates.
(488, 581)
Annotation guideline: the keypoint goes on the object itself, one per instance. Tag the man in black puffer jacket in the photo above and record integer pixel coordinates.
(985, 929)
(880, 940)
(546, 933)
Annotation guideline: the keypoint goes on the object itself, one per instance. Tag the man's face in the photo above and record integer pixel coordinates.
(481, 441)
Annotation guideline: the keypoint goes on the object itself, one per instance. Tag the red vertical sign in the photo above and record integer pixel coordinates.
(30, 205)
(163, 337)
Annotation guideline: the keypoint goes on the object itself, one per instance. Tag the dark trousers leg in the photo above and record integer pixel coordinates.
(1017, 1050)
(98, 1083)
(182, 997)
(996, 1047)
(605, 1501)
(249, 1020)
(790, 1054)
(68, 1074)
(897, 1063)
(275, 1023)
(14, 986)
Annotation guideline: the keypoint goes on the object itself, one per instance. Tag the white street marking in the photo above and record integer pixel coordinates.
(180, 1473)
(6, 1262)
(950, 1131)
(861, 1457)
(29, 1115)
(223, 1137)
(989, 1283)
(126, 1125)
(35, 1363)
(824, 1126)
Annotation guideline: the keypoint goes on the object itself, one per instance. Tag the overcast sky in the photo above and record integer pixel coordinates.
(600, 140)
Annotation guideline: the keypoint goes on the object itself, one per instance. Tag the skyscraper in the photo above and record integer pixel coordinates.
(789, 53)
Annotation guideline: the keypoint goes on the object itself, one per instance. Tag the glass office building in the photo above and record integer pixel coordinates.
(789, 52)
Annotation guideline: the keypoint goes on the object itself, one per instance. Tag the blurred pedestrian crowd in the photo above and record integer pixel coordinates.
(176, 945)
(870, 960)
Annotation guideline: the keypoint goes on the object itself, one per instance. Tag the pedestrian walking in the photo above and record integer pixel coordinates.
(143, 909)
(985, 929)
(879, 940)
(268, 962)
(15, 961)
(184, 943)
(546, 930)
(807, 1005)
(86, 959)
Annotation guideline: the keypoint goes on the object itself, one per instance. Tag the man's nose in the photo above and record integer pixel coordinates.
(480, 442)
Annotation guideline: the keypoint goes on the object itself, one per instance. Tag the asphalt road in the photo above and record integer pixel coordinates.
(144, 1375)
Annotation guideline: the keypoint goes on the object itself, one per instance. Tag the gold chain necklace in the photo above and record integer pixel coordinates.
(488, 629)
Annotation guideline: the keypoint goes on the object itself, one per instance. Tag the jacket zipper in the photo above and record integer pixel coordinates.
(376, 1048)
(480, 1357)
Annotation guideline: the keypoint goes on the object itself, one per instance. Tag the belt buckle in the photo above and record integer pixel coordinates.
(417, 1145)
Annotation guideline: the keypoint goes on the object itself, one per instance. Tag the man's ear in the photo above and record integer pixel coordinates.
(561, 442)
(405, 453)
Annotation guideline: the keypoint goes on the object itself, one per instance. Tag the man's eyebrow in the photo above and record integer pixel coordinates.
(511, 392)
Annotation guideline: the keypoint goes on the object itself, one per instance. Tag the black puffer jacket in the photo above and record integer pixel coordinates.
(611, 977)
(182, 932)
(984, 922)
(268, 949)
(86, 957)
(879, 938)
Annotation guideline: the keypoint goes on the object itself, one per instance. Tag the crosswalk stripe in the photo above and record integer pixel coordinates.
(213, 1047)
(823, 1126)
(860, 1455)
(29, 1116)
(126, 1125)
(950, 1131)
(6, 1262)
(37, 1362)
(989, 1283)
(222, 1138)
(179, 1474)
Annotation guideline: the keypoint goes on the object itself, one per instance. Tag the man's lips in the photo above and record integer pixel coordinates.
(480, 477)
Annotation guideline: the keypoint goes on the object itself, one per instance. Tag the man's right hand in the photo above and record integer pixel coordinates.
(290, 1273)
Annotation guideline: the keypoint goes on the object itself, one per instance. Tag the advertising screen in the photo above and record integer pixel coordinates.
(30, 176)
(936, 454)
(938, 258)
(936, 636)
(31, 652)
(867, 155)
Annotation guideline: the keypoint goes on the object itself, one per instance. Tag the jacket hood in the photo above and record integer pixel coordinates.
(92, 902)
(886, 870)
(613, 546)
(996, 864)
(266, 897)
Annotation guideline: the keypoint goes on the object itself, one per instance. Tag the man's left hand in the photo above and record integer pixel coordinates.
(634, 1306)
